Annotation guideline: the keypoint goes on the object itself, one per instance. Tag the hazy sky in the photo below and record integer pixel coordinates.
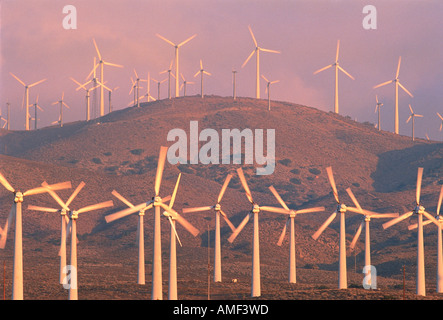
(34, 45)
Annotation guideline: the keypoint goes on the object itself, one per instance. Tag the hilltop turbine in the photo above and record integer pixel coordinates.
(184, 84)
(412, 116)
(201, 71)
(62, 103)
(420, 212)
(378, 106)
(176, 46)
(290, 221)
(255, 210)
(268, 90)
(136, 86)
(36, 107)
(158, 86)
(234, 88)
(88, 104)
(169, 70)
(16, 213)
(397, 84)
(337, 67)
(26, 97)
(218, 211)
(257, 52)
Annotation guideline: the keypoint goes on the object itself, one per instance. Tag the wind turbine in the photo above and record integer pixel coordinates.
(438, 114)
(397, 83)
(184, 84)
(201, 71)
(36, 106)
(137, 88)
(158, 86)
(3, 119)
(169, 71)
(367, 216)
(268, 90)
(8, 124)
(140, 233)
(378, 106)
(255, 288)
(101, 63)
(176, 46)
(16, 213)
(290, 221)
(62, 103)
(257, 52)
(26, 97)
(412, 116)
(337, 67)
(419, 210)
(88, 104)
(341, 208)
(234, 88)
(439, 242)
(148, 91)
(218, 211)
(157, 203)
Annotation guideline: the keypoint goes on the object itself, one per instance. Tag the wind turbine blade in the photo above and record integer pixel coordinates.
(398, 67)
(122, 199)
(187, 40)
(406, 90)
(345, 72)
(440, 200)
(4, 233)
(410, 117)
(5, 183)
(42, 209)
(16, 78)
(96, 49)
(239, 228)
(252, 34)
(163, 38)
(223, 189)
(207, 73)
(269, 50)
(338, 49)
(227, 220)
(439, 115)
(197, 209)
(244, 184)
(175, 231)
(383, 84)
(160, 167)
(415, 225)
(430, 217)
(36, 83)
(277, 196)
(191, 229)
(196, 74)
(174, 193)
(125, 212)
(324, 226)
(384, 215)
(282, 235)
(273, 209)
(357, 235)
(320, 70)
(410, 108)
(309, 210)
(75, 193)
(418, 189)
(43, 189)
(248, 58)
(397, 220)
(354, 199)
(418, 115)
(55, 196)
(265, 78)
(332, 182)
(97, 206)
(112, 64)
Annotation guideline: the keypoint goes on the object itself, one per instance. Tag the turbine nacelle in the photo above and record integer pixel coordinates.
(255, 208)
(217, 207)
(419, 209)
(341, 207)
(73, 214)
(157, 200)
(18, 197)
(63, 212)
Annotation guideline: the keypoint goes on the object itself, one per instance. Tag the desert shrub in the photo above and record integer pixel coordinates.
(295, 181)
(73, 161)
(185, 168)
(97, 160)
(310, 178)
(107, 154)
(356, 184)
(295, 171)
(111, 168)
(314, 171)
(285, 162)
(137, 152)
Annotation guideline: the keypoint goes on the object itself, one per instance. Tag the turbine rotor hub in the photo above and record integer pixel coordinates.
(73, 214)
(157, 201)
(63, 212)
(217, 207)
(255, 208)
(341, 208)
(419, 209)
(367, 218)
(18, 197)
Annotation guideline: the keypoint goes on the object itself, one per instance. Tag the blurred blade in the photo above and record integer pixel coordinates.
(440, 116)
(44, 188)
(269, 50)
(16, 78)
(227, 220)
(309, 210)
(174, 193)
(338, 49)
(55, 196)
(175, 231)
(332, 182)
(122, 199)
(273, 209)
(265, 78)
(383, 84)
(223, 189)
(97, 206)
(247, 59)
(415, 225)
(125, 212)
(384, 215)
(410, 117)
(252, 34)
(324, 226)
(113, 64)
(43, 209)
(207, 73)
(75, 193)
(160, 167)
(163, 38)
(410, 108)
(320, 70)
(351, 195)
(4, 233)
(418, 189)
(36, 83)
(5, 183)
(418, 115)
(239, 228)
(197, 209)
(440, 200)
(397, 220)
(244, 184)
(430, 217)
(282, 235)
(406, 90)
(357, 235)
(187, 40)
(346, 73)
(96, 49)
(398, 67)
(277, 196)
(191, 229)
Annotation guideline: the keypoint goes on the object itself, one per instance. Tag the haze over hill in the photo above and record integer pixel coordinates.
(120, 150)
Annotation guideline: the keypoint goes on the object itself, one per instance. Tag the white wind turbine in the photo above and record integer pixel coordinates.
(36, 107)
(62, 103)
(201, 71)
(176, 46)
(157, 203)
(397, 84)
(101, 63)
(158, 86)
(87, 90)
(7, 120)
(140, 233)
(183, 86)
(26, 97)
(419, 210)
(255, 210)
(268, 90)
(136, 87)
(257, 52)
(3, 119)
(412, 116)
(341, 208)
(439, 218)
(438, 114)
(378, 106)
(16, 213)
(169, 71)
(290, 221)
(148, 91)
(72, 226)
(218, 211)
(337, 67)
(367, 216)
(234, 87)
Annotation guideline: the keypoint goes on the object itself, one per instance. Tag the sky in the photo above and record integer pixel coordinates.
(35, 45)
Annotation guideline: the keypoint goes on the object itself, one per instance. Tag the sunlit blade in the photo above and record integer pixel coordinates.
(338, 49)
(273, 209)
(354, 199)
(275, 81)
(332, 182)
(175, 231)
(384, 215)
(410, 117)
(113, 64)
(269, 50)
(440, 116)
(264, 78)
(191, 229)
(277, 196)
(415, 225)
(103, 86)
(239, 228)
(406, 90)
(207, 73)
(97, 206)
(398, 67)
(430, 217)
(36, 83)
(252, 34)
(248, 58)
(163, 38)
(43, 189)
(397, 220)
(4, 233)
(410, 108)
(96, 49)
(418, 115)
(75, 193)
(201, 64)
(227, 221)
(357, 235)
(197, 209)
(382, 84)
(160, 167)
(92, 71)
(78, 83)
(345, 72)
(418, 189)
(282, 235)
(125, 212)
(174, 193)
(43, 209)
(187, 40)
(440, 200)
(324, 226)
(5, 183)
(320, 70)
(122, 199)
(17, 79)
(223, 189)
(245, 185)
(309, 210)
